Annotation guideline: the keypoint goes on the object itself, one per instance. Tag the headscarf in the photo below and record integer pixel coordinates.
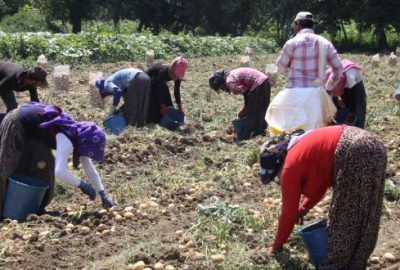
(272, 155)
(339, 88)
(89, 139)
(177, 68)
(217, 79)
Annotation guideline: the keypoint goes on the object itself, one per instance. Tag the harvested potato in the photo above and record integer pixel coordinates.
(217, 258)
(128, 215)
(84, 229)
(137, 266)
(128, 209)
(159, 266)
(118, 218)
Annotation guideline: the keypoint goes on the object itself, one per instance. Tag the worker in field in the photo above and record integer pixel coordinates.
(349, 95)
(350, 160)
(304, 103)
(133, 85)
(160, 98)
(27, 136)
(256, 90)
(14, 77)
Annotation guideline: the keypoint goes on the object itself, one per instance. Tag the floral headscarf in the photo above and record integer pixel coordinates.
(272, 155)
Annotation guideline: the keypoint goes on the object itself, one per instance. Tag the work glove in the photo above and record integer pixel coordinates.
(87, 189)
(180, 109)
(163, 109)
(106, 202)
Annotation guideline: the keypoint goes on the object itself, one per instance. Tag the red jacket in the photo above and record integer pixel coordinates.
(307, 171)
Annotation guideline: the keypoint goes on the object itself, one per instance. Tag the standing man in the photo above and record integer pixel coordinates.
(14, 77)
(304, 104)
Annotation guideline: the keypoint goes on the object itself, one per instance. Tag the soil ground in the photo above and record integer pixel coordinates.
(162, 177)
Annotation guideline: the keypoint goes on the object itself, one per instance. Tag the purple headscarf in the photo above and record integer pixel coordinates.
(89, 139)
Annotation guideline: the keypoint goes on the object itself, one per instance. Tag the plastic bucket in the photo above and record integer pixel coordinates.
(24, 196)
(238, 125)
(115, 124)
(397, 94)
(172, 119)
(315, 237)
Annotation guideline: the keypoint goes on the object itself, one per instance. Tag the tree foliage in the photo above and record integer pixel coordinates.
(223, 17)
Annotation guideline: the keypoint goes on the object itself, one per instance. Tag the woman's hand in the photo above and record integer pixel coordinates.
(180, 109)
(163, 109)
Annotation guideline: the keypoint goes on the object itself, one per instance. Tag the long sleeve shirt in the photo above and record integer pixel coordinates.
(119, 82)
(300, 55)
(307, 171)
(63, 150)
(241, 80)
(11, 79)
(159, 76)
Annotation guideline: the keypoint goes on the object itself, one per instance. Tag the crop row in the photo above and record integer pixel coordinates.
(95, 48)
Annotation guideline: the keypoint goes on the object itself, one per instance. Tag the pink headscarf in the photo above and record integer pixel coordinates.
(339, 88)
(177, 68)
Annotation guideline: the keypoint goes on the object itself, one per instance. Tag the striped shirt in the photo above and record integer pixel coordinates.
(300, 55)
(241, 80)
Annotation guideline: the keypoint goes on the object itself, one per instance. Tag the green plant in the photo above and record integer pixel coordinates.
(89, 47)
(26, 20)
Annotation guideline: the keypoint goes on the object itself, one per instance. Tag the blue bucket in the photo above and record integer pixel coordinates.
(315, 237)
(397, 94)
(115, 124)
(24, 196)
(172, 119)
(238, 125)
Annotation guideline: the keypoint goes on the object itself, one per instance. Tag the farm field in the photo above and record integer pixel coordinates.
(189, 195)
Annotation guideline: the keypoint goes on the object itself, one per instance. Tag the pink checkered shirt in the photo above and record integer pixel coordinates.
(300, 56)
(241, 80)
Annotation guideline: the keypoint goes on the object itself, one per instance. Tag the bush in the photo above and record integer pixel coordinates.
(26, 20)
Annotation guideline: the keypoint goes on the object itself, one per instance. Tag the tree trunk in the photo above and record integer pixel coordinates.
(76, 14)
(344, 31)
(76, 24)
(380, 33)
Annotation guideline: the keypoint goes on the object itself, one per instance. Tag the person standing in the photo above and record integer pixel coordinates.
(134, 86)
(256, 90)
(14, 77)
(304, 103)
(349, 94)
(160, 98)
(350, 160)
(27, 136)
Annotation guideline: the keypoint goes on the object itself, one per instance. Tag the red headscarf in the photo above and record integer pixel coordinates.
(339, 88)
(177, 68)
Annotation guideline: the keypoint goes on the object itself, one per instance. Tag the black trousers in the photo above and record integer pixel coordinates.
(355, 99)
(256, 104)
(154, 114)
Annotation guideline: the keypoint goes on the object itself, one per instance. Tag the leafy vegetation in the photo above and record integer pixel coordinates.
(89, 47)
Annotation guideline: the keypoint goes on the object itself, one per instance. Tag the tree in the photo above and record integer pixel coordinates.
(379, 15)
(73, 11)
(10, 7)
